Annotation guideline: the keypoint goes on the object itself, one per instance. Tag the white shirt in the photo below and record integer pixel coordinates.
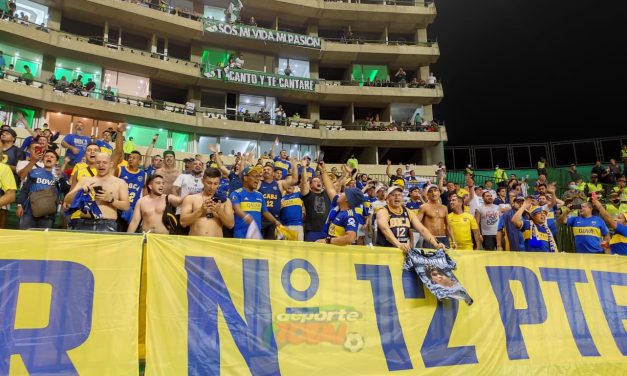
(431, 79)
(189, 185)
(475, 203)
(239, 62)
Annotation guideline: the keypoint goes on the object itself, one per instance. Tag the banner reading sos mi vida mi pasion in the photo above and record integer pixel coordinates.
(234, 307)
(69, 303)
(257, 33)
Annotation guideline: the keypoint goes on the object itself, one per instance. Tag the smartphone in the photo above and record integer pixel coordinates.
(98, 189)
(39, 149)
(320, 157)
(575, 207)
(217, 199)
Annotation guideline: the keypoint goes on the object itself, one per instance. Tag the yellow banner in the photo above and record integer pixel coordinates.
(69, 303)
(235, 307)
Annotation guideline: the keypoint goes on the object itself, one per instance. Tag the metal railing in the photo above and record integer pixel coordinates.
(398, 42)
(520, 156)
(384, 2)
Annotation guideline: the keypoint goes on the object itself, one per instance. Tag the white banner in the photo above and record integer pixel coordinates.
(266, 35)
(261, 79)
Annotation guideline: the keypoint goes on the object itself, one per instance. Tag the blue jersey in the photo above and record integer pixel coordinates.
(618, 244)
(514, 240)
(251, 203)
(284, 165)
(339, 221)
(368, 205)
(411, 182)
(135, 181)
(79, 142)
(550, 219)
(292, 209)
(541, 243)
(225, 186)
(104, 147)
(414, 206)
(588, 233)
(26, 143)
(309, 171)
(150, 171)
(37, 180)
(235, 181)
(272, 194)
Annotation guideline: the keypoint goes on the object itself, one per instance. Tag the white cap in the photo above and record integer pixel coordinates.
(395, 188)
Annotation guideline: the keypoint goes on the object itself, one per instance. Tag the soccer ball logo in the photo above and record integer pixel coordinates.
(354, 342)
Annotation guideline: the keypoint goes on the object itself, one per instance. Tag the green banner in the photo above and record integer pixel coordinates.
(257, 33)
(260, 79)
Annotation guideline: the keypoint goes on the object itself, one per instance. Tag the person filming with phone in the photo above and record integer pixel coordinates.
(208, 212)
(99, 198)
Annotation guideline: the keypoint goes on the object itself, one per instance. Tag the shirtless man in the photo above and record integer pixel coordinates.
(434, 216)
(149, 209)
(206, 213)
(169, 170)
(110, 194)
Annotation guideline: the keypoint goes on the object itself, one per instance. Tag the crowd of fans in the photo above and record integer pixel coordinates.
(105, 185)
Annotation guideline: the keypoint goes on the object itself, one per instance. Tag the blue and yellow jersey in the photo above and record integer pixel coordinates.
(251, 203)
(272, 194)
(414, 206)
(340, 222)
(618, 243)
(588, 233)
(225, 185)
(310, 172)
(135, 181)
(541, 243)
(550, 219)
(283, 164)
(359, 214)
(81, 171)
(292, 209)
(105, 147)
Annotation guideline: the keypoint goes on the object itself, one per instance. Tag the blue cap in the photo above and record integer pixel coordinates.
(354, 196)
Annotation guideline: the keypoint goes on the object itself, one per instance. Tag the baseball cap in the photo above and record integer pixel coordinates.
(354, 197)
(395, 188)
(169, 152)
(10, 131)
(414, 188)
(432, 186)
(519, 198)
(536, 209)
(249, 169)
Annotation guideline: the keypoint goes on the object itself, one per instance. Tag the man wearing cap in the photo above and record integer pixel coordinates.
(169, 171)
(206, 213)
(272, 188)
(589, 230)
(395, 222)
(434, 216)
(249, 205)
(509, 237)
(593, 186)
(538, 237)
(342, 224)
(11, 153)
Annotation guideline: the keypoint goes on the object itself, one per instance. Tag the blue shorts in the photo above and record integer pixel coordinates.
(312, 236)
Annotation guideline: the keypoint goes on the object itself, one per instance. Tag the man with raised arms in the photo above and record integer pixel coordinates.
(434, 216)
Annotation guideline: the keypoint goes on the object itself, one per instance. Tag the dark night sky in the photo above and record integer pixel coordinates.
(548, 67)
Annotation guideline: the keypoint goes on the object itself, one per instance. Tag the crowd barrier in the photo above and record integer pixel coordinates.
(86, 304)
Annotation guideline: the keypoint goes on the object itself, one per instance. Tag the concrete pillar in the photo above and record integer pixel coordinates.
(314, 70)
(312, 29)
(313, 111)
(427, 112)
(106, 31)
(349, 115)
(270, 64)
(368, 156)
(152, 44)
(386, 35)
(48, 65)
(199, 7)
(54, 19)
(193, 94)
(421, 35)
(275, 24)
(196, 52)
(423, 72)
(165, 46)
(387, 113)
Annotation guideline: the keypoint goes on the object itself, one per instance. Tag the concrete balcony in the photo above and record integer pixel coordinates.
(170, 117)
